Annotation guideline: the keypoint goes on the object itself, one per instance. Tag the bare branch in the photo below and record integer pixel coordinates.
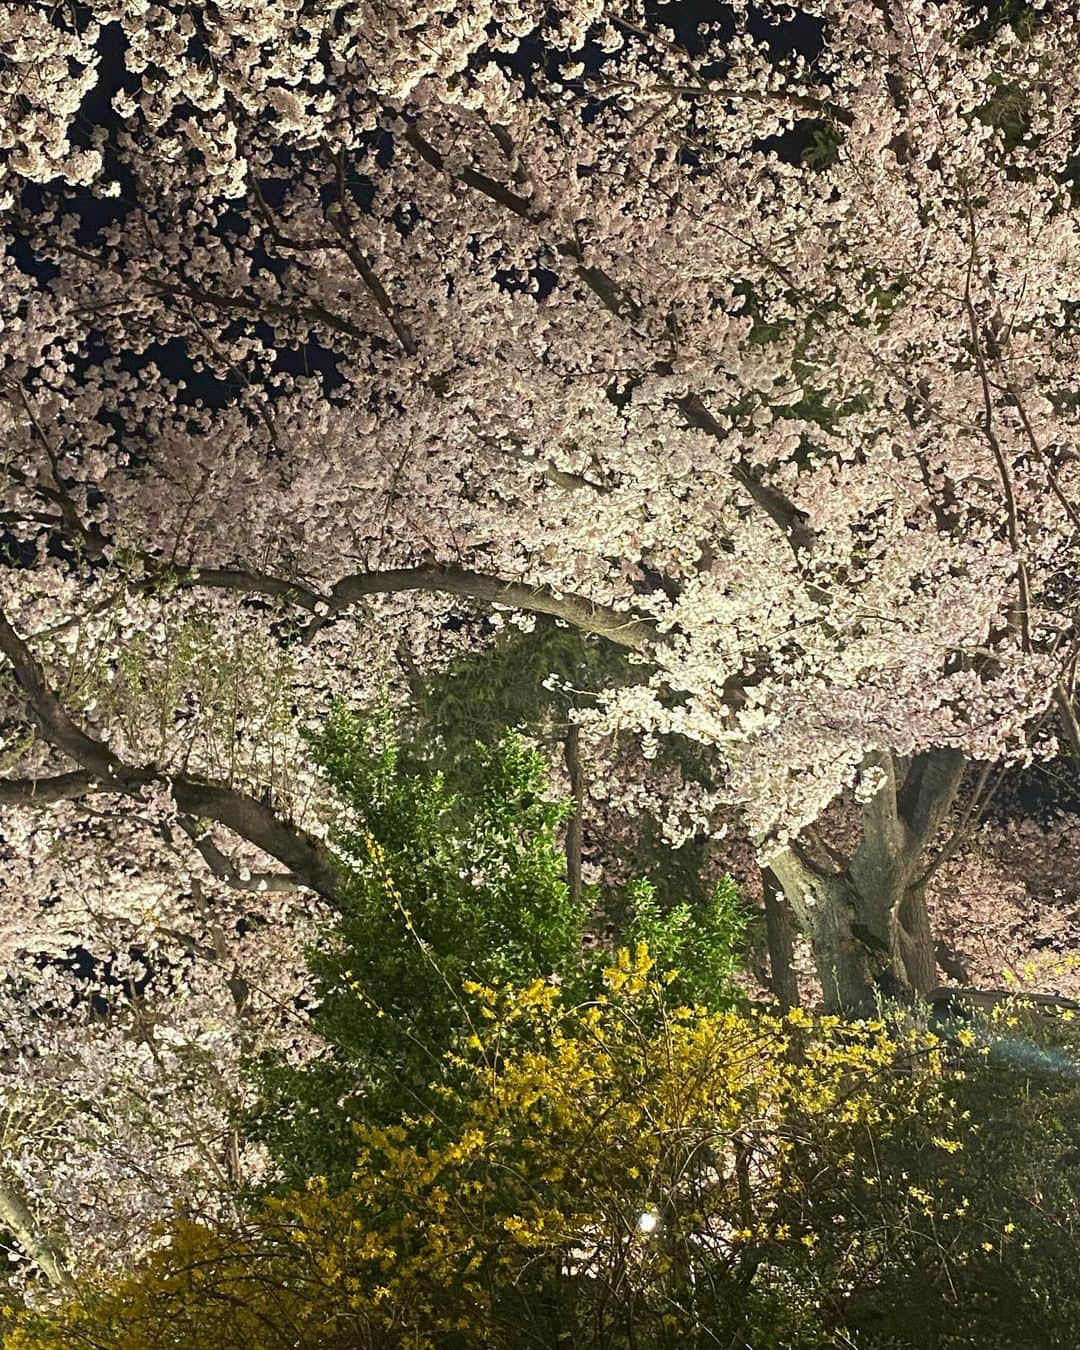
(971, 817)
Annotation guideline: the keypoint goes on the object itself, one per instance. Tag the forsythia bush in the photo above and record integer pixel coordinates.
(621, 1171)
(443, 887)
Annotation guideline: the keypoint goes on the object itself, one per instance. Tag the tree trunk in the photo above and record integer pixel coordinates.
(866, 917)
(780, 931)
(824, 908)
(572, 757)
(917, 941)
(15, 1215)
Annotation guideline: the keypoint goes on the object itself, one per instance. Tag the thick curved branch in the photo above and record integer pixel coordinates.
(60, 787)
(257, 583)
(304, 856)
(53, 720)
(606, 621)
(617, 625)
(948, 1001)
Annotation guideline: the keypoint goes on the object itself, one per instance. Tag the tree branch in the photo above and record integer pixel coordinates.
(571, 482)
(1023, 609)
(44, 791)
(313, 314)
(807, 103)
(793, 522)
(780, 935)
(240, 579)
(1068, 718)
(617, 625)
(225, 870)
(53, 720)
(341, 222)
(298, 851)
(818, 107)
(574, 826)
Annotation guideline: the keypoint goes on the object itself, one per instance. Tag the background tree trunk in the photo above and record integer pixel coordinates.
(780, 933)
(866, 915)
(572, 757)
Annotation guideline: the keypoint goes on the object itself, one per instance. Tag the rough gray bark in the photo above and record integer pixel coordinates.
(866, 915)
(780, 933)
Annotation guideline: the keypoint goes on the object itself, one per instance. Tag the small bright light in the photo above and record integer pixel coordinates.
(648, 1222)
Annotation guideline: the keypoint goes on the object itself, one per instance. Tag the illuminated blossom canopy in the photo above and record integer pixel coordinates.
(744, 341)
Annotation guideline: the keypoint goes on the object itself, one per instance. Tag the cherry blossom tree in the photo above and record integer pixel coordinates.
(745, 342)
